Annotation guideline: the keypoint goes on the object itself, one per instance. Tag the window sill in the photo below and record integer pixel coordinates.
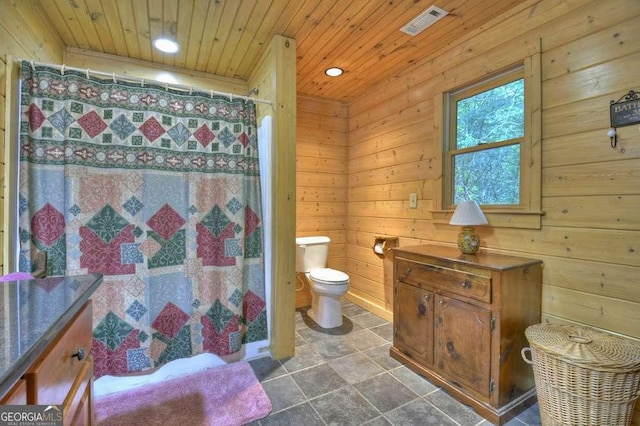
(500, 218)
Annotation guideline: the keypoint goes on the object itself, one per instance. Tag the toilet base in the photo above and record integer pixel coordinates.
(326, 311)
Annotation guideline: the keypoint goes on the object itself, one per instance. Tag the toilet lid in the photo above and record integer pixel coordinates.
(329, 276)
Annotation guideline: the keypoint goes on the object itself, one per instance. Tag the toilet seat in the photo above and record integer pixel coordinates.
(329, 276)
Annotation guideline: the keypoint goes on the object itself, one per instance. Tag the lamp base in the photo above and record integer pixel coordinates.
(468, 240)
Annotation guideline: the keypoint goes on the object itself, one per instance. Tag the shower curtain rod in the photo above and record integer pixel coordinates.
(142, 81)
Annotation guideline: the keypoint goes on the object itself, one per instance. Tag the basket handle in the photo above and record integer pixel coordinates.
(524, 357)
(579, 339)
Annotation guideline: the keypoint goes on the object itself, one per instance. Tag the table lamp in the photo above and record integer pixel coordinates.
(468, 215)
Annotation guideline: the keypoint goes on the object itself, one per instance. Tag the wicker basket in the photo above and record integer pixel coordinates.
(583, 376)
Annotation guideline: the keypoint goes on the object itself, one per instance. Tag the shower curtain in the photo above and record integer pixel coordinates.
(157, 189)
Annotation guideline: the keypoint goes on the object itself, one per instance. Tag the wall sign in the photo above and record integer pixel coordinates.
(624, 112)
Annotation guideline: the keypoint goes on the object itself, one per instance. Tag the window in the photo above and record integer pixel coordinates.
(485, 134)
(491, 145)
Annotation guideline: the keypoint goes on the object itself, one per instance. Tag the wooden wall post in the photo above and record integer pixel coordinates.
(276, 74)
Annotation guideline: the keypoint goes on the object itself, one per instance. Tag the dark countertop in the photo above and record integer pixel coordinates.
(33, 313)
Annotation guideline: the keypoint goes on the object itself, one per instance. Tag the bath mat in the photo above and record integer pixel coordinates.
(226, 395)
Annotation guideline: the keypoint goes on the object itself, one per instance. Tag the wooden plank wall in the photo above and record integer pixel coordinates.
(24, 34)
(321, 179)
(590, 235)
(590, 191)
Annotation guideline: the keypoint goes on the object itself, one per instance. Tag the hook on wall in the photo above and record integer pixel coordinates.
(613, 137)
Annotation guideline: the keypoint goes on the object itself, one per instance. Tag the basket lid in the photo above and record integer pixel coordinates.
(585, 346)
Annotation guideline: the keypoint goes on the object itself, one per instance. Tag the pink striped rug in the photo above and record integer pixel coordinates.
(222, 396)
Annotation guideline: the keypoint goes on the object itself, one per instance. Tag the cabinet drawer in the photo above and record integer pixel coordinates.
(54, 375)
(464, 283)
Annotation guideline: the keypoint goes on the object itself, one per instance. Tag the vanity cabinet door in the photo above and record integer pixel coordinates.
(413, 327)
(463, 343)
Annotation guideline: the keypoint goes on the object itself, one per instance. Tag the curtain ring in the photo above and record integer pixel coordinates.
(88, 75)
(231, 96)
(33, 65)
(142, 82)
(62, 69)
(191, 91)
(211, 93)
(166, 87)
(114, 77)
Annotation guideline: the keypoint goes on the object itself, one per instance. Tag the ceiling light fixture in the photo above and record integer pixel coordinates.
(333, 71)
(165, 45)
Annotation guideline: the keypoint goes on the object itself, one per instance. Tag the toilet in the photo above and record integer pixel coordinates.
(327, 285)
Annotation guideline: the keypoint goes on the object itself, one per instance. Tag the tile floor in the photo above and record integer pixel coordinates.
(345, 376)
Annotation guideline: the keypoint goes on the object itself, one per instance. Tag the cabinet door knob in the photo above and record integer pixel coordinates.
(466, 284)
(441, 302)
(79, 354)
(422, 309)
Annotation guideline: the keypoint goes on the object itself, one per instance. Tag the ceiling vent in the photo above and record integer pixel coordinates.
(424, 20)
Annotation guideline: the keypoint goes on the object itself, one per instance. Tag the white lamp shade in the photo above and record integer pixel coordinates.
(468, 213)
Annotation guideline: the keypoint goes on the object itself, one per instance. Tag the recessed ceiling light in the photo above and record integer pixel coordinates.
(165, 45)
(333, 71)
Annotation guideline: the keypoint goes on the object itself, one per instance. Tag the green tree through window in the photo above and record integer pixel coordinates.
(487, 128)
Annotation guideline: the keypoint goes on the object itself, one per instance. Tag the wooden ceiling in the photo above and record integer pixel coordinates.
(227, 37)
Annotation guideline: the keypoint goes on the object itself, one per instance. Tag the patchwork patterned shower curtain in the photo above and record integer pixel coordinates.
(158, 190)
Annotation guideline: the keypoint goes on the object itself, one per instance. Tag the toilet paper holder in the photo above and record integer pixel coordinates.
(383, 244)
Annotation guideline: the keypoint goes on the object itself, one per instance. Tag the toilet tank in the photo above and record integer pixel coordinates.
(311, 253)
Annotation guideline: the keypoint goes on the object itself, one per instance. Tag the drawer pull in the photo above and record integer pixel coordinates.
(466, 284)
(79, 354)
(408, 271)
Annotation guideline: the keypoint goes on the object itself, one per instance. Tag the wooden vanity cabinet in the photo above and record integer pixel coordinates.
(459, 320)
(47, 335)
(63, 374)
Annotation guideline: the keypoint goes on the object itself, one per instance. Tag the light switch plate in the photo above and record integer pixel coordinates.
(413, 200)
